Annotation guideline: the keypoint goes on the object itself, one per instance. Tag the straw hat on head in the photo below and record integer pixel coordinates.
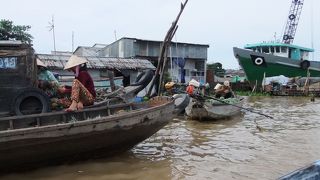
(75, 61)
(40, 63)
(194, 83)
(169, 85)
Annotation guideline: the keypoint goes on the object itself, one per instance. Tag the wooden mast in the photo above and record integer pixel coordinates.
(162, 60)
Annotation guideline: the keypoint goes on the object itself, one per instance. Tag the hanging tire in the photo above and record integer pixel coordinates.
(305, 64)
(143, 78)
(30, 101)
(181, 101)
(258, 61)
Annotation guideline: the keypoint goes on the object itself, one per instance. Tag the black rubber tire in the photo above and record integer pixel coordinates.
(180, 106)
(305, 64)
(143, 78)
(30, 101)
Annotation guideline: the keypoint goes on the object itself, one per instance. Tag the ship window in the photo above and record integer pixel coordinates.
(272, 50)
(265, 49)
(284, 49)
(277, 49)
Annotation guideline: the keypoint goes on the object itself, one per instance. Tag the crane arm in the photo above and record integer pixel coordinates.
(292, 22)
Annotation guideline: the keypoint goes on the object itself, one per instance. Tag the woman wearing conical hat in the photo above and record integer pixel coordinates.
(83, 92)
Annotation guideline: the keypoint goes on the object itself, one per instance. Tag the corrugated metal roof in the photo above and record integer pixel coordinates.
(59, 61)
(157, 41)
(87, 51)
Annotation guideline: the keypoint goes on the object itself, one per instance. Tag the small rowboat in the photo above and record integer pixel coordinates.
(207, 109)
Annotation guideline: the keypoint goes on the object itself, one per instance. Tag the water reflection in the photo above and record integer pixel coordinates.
(225, 149)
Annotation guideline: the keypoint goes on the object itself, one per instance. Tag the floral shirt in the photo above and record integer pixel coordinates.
(46, 75)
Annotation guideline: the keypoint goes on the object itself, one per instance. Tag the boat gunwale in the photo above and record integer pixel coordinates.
(94, 121)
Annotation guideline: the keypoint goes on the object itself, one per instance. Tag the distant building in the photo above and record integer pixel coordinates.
(98, 66)
(184, 58)
(128, 56)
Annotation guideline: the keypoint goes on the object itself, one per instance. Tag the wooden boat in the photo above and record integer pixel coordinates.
(206, 109)
(45, 138)
(311, 171)
(33, 140)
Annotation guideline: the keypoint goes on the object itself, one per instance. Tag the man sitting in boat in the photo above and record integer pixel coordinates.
(223, 90)
(192, 87)
(82, 92)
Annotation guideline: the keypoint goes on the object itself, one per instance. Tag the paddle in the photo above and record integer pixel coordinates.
(210, 97)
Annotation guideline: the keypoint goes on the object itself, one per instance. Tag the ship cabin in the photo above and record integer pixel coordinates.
(281, 49)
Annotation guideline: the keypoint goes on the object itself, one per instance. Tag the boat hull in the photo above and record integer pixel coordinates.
(209, 111)
(102, 136)
(271, 66)
(311, 171)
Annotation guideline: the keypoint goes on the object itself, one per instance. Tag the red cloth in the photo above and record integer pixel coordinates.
(85, 79)
(190, 90)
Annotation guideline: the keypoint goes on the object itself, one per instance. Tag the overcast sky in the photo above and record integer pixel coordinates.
(222, 24)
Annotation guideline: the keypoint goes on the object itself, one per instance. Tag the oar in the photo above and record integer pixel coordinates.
(239, 107)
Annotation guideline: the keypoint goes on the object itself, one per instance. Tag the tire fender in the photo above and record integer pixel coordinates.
(28, 96)
(181, 101)
(305, 64)
(258, 61)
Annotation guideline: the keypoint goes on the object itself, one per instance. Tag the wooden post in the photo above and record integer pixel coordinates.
(111, 79)
(163, 52)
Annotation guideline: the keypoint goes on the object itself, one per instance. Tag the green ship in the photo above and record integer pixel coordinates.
(278, 58)
(274, 59)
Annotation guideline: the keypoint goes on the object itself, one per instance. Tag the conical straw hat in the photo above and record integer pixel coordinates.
(169, 85)
(75, 61)
(40, 63)
(194, 83)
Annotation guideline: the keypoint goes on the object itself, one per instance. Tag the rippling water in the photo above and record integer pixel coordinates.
(249, 146)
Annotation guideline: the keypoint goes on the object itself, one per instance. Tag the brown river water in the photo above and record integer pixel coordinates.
(249, 146)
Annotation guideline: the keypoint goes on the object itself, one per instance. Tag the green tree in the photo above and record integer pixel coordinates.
(9, 31)
(217, 69)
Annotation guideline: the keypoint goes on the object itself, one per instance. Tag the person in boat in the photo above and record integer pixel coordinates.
(170, 88)
(206, 89)
(192, 87)
(82, 91)
(223, 90)
(59, 95)
(46, 80)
